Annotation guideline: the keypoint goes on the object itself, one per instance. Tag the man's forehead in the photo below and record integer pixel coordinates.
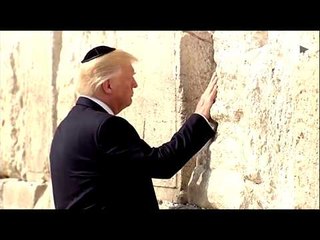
(129, 67)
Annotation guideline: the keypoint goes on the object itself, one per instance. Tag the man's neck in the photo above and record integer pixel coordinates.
(101, 103)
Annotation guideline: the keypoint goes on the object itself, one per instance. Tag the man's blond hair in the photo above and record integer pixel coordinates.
(95, 72)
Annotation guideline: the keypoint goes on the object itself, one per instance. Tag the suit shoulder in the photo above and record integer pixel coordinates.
(118, 128)
(112, 119)
(116, 123)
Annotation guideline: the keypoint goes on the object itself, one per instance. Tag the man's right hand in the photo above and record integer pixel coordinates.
(208, 98)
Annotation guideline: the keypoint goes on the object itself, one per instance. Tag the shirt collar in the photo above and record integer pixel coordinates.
(102, 104)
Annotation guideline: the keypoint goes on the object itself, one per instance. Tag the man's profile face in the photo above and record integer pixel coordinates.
(122, 86)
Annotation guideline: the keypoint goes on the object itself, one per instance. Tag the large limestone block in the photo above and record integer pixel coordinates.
(268, 110)
(2, 183)
(282, 107)
(21, 194)
(196, 69)
(303, 144)
(26, 103)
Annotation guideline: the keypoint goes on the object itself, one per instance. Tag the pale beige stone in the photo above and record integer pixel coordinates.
(46, 200)
(26, 104)
(277, 90)
(21, 194)
(3, 181)
(225, 189)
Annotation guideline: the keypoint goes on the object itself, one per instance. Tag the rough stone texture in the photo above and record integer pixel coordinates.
(196, 69)
(268, 110)
(26, 116)
(164, 205)
(21, 194)
(2, 183)
(225, 189)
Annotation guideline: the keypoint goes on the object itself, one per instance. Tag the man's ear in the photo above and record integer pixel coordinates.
(106, 86)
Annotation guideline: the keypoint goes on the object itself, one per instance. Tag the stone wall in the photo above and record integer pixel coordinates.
(266, 154)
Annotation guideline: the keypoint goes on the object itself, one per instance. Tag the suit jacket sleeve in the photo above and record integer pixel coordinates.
(120, 143)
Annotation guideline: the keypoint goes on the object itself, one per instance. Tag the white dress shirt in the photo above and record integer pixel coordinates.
(102, 104)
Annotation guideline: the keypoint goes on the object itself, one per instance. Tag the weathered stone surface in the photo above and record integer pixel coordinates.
(26, 106)
(196, 69)
(21, 194)
(268, 110)
(2, 183)
(225, 189)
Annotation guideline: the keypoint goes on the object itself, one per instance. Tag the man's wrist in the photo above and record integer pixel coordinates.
(212, 123)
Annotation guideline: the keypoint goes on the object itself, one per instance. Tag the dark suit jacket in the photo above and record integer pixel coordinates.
(98, 161)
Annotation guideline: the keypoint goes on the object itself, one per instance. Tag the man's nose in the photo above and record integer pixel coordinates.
(135, 84)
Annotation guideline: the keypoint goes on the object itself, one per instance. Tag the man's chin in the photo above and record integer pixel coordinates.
(129, 102)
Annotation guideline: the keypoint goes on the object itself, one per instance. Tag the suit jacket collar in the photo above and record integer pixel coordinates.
(90, 104)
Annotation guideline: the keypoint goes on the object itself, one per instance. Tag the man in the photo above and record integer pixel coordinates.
(98, 160)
